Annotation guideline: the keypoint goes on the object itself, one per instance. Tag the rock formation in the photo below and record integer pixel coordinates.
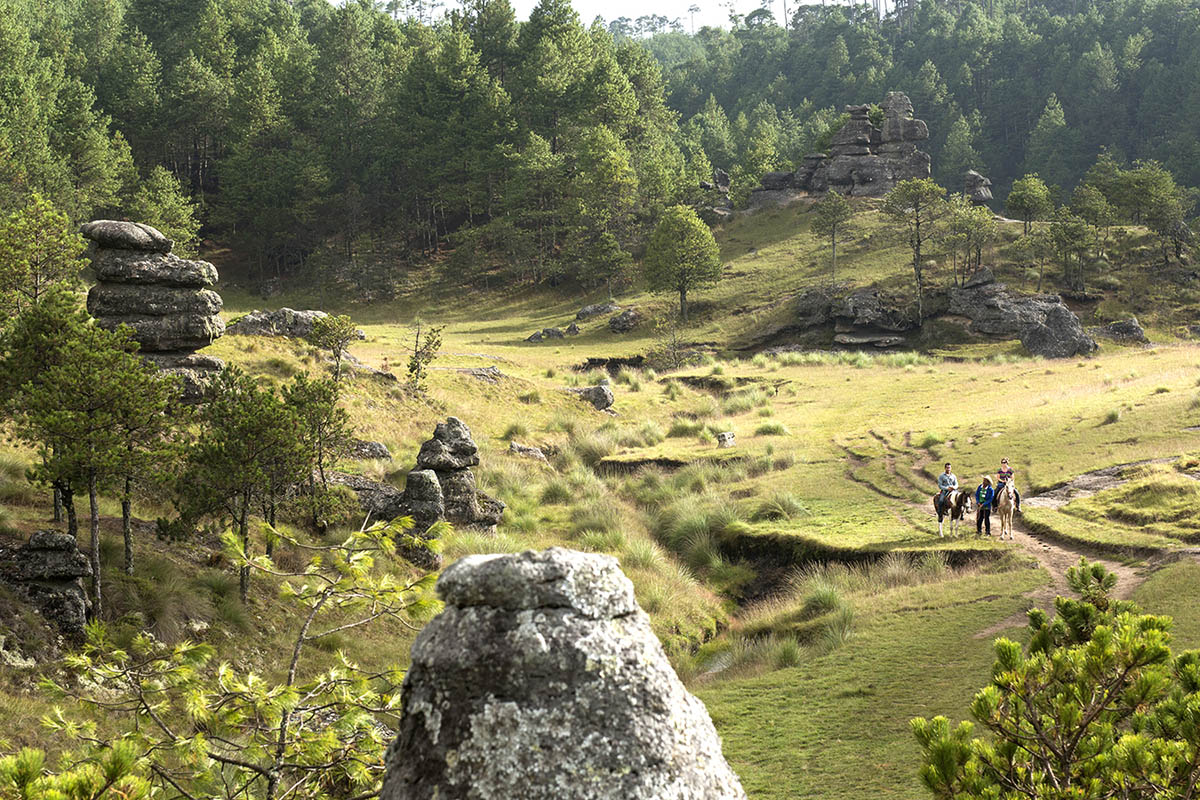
(545, 333)
(596, 309)
(49, 570)
(977, 188)
(363, 450)
(167, 301)
(863, 161)
(1042, 322)
(281, 322)
(626, 321)
(543, 680)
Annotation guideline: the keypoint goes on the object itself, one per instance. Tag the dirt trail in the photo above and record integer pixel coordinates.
(1054, 557)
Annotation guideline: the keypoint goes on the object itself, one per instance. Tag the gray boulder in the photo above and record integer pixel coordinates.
(176, 332)
(285, 322)
(977, 188)
(601, 397)
(1125, 330)
(526, 451)
(868, 308)
(595, 310)
(155, 269)
(122, 235)
(543, 680)
(980, 277)
(572, 329)
(423, 502)
(124, 300)
(1059, 335)
(451, 447)
(48, 571)
(461, 496)
(362, 450)
(194, 372)
(626, 321)
(534, 337)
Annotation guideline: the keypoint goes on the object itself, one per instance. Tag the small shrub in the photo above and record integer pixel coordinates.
(766, 411)
(651, 433)
(550, 372)
(530, 398)
(602, 541)
(1161, 390)
(930, 440)
(771, 429)
(787, 653)
(514, 430)
(671, 390)
(838, 631)
(1112, 417)
(683, 427)
(706, 436)
(824, 598)
(760, 360)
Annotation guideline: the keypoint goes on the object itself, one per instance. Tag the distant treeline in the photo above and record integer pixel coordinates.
(543, 150)
(1007, 86)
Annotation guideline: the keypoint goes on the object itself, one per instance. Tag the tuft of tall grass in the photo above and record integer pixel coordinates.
(514, 430)
(640, 553)
(1113, 416)
(780, 505)
(772, 428)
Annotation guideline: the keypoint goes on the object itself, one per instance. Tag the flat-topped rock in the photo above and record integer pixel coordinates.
(123, 235)
(176, 332)
(286, 322)
(160, 269)
(543, 680)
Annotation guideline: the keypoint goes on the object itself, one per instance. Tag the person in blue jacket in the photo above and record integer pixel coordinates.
(984, 495)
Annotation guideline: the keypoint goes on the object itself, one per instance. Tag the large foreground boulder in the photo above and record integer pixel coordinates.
(543, 680)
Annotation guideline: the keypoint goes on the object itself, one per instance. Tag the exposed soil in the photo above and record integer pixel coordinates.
(1088, 484)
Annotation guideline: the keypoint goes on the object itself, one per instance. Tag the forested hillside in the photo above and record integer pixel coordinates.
(343, 144)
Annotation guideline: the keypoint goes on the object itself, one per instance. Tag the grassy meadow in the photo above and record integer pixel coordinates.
(797, 580)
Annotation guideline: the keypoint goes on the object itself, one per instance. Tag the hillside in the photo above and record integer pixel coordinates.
(796, 580)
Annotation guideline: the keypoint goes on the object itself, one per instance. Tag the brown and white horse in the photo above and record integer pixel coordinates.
(958, 503)
(1003, 504)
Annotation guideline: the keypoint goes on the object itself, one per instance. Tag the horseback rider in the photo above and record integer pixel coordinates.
(947, 482)
(984, 495)
(1004, 476)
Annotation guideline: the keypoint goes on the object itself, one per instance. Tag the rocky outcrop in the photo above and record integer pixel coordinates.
(287, 322)
(381, 501)
(543, 680)
(48, 571)
(601, 397)
(526, 451)
(626, 321)
(1125, 330)
(868, 317)
(572, 329)
(977, 188)
(545, 333)
(863, 160)
(166, 300)
(449, 455)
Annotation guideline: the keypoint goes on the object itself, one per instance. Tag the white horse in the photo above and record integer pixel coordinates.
(1003, 504)
(957, 504)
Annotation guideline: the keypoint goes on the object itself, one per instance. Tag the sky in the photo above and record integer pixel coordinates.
(711, 12)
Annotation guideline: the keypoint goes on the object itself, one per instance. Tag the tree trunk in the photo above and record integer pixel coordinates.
(94, 509)
(127, 526)
(683, 303)
(271, 522)
(244, 531)
(72, 519)
(58, 505)
(833, 244)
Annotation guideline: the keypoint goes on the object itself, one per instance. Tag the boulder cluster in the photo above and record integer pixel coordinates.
(863, 160)
(542, 679)
(442, 487)
(1043, 322)
(168, 301)
(621, 321)
(48, 571)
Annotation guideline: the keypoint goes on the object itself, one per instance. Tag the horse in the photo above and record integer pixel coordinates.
(957, 503)
(1004, 509)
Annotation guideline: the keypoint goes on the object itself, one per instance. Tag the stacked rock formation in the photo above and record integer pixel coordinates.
(863, 161)
(543, 680)
(167, 300)
(446, 460)
(49, 571)
(977, 188)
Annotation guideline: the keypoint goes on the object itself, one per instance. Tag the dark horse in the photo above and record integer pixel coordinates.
(958, 503)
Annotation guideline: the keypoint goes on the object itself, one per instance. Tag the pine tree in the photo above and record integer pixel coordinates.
(831, 213)
(682, 255)
(916, 205)
(38, 251)
(1029, 200)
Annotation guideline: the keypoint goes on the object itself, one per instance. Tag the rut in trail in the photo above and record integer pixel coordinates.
(1054, 557)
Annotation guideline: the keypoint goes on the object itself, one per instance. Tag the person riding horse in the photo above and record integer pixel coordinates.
(1005, 476)
(947, 482)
